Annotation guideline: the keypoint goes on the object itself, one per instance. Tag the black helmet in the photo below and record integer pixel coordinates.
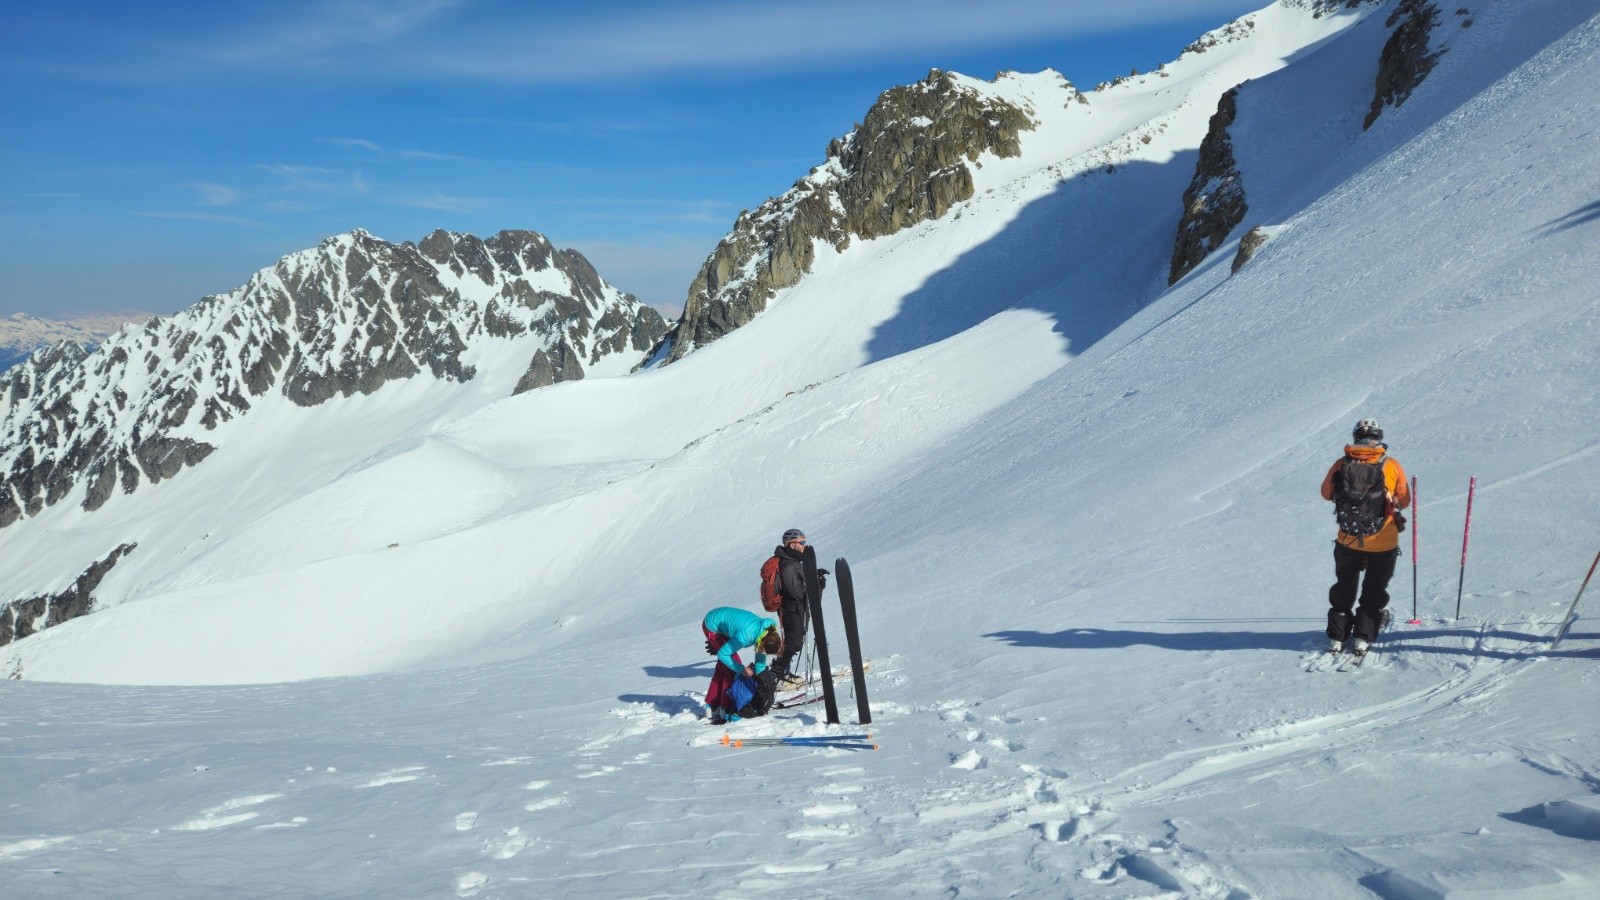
(1366, 429)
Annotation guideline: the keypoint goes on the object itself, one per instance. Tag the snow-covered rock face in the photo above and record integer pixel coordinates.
(343, 319)
(24, 617)
(1215, 200)
(1408, 56)
(907, 162)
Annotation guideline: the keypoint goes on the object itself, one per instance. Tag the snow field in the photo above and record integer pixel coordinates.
(1093, 585)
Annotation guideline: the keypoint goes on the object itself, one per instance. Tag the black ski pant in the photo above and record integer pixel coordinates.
(793, 617)
(1373, 590)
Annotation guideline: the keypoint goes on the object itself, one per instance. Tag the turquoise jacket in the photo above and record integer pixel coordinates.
(742, 629)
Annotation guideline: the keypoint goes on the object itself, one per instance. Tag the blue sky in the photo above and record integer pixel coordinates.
(156, 152)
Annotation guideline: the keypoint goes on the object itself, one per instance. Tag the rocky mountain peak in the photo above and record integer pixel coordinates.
(909, 160)
(339, 320)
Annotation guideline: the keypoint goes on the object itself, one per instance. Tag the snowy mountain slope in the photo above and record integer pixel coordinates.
(871, 301)
(926, 147)
(278, 372)
(1090, 586)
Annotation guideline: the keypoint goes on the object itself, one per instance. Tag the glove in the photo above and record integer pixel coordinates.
(709, 651)
(1399, 521)
(822, 578)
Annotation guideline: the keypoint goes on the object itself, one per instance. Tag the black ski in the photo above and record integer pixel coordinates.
(847, 605)
(1355, 661)
(814, 599)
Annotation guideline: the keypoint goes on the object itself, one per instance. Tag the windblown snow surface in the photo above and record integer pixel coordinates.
(1082, 514)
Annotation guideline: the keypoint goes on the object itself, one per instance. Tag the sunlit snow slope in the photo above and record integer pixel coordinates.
(1085, 530)
(550, 501)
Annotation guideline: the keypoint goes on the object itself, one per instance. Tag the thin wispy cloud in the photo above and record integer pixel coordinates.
(202, 217)
(358, 143)
(430, 155)
(378, 149)
(771, 36)
(371, 41)
(329, 28)
(310, 179)
(450, 204)
(216, 194)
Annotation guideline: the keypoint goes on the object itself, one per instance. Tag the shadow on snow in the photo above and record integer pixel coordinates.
(1065, 254)
(1391, 642)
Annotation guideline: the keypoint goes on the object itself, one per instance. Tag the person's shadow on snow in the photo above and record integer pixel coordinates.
(1392, 641)
(669, 705)
(700, 669)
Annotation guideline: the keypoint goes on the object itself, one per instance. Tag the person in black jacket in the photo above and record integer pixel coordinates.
(795, 612)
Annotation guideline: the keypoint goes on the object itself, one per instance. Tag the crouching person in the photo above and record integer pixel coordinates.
(729, 629)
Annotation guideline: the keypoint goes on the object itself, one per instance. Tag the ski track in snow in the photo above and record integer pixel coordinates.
(988, 802)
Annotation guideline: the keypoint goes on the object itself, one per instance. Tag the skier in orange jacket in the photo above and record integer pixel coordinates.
(1368, 489)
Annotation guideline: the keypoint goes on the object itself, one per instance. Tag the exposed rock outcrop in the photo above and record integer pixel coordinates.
(342, 319)
(1253, 240)
(1214, 204)
(21, 618)
(908, 161)
(1406, 59)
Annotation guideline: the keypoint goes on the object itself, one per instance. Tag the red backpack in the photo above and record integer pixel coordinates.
(771, 600)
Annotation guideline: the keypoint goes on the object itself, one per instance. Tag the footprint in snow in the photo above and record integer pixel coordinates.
(224, 815)
(546, 803)
(470, 884)
(827, 810)
(510, 842)
(971, 760)
(823, 833)
(395, 776)
(466, 821)
(21, 848)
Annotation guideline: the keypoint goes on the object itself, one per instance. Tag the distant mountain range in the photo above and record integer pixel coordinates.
(342, 319)
(21, 334)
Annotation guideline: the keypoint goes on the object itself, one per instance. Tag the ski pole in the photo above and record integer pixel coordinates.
(1466, 532)
(1566, 621)
(1416, 517)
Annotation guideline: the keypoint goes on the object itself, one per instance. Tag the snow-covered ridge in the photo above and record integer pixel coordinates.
(924, 149)
(342, 319)
(907, 162)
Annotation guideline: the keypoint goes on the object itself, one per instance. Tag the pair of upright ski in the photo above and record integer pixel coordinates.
(847, 606)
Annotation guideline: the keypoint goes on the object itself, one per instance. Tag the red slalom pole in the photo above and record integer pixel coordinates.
(1566, 621)
(1416, 517)
(1466, 532)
